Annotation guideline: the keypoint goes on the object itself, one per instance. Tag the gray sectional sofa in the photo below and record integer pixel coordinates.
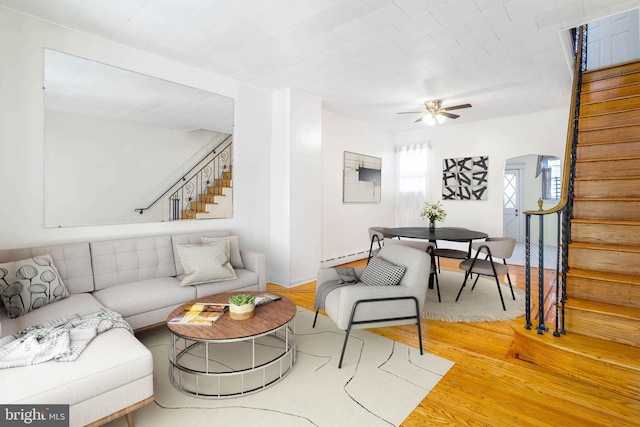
(139, 278)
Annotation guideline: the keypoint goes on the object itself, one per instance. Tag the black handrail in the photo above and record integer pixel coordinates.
(184, 177)
(563, 210)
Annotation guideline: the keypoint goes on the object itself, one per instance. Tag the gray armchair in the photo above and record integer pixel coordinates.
(362, 306)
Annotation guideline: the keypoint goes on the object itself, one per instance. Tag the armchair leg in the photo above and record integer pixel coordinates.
(352, 322)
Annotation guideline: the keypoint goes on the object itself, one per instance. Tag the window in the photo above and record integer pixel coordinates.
(551, 176)
(412, 182)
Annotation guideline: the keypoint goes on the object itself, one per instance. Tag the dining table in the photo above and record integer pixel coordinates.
(451, 234)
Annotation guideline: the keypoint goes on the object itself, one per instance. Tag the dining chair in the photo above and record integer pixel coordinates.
(496, 251)
(377, 236)
(451, 253)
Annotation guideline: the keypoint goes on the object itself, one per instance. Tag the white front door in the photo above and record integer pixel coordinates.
(613, 40)
(512, 211)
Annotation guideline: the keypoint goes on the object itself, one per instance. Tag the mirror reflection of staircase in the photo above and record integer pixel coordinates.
(220, 189)
(602, 308)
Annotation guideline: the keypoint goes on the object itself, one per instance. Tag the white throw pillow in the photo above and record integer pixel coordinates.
(234, 249)
(205, 263)
(29, 284)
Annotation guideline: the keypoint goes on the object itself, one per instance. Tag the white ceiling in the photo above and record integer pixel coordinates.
(367, 59)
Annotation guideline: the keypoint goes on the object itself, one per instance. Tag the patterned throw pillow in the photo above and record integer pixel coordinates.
(234, 248)
(29, 284)
(205, 263)
(380, 272)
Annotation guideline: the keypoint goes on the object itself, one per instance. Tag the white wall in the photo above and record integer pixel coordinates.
(500, 139)
(344, 225)
(99, 170)
(22, 41)
(296, 187)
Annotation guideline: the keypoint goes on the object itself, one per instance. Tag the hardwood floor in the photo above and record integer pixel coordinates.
(488, 385)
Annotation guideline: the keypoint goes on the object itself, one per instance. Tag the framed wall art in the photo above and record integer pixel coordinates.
(465, 178)
(362, 178)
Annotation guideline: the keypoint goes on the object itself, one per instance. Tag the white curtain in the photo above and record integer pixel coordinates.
(412, 183)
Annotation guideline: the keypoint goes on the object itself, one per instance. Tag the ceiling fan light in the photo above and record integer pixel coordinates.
(429, 119)
(440, 118)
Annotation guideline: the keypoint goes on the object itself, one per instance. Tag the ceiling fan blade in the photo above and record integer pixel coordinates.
(449, 115)
(457, 107)
(419, 120)
(411, 112)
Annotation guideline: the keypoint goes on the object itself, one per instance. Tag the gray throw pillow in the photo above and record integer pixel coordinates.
(380, 272)
(234, 248)
(205, 263)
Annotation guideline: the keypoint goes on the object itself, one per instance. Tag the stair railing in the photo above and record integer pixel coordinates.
(182, 200)
(218, 149)
(563, 211)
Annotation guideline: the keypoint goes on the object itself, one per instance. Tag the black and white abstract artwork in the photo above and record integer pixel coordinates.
(465, 178)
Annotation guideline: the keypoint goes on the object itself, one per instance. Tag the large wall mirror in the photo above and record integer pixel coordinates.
(122, 147)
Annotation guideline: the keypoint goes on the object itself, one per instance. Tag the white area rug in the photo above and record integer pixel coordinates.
(480, 305)
(380, 383)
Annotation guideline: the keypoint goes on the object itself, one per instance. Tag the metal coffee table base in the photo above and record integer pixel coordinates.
(218, 369)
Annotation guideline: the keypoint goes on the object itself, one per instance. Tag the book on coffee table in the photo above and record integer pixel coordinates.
(200, 314)
(265, 298)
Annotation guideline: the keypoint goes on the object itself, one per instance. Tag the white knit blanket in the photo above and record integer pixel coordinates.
(62, 339)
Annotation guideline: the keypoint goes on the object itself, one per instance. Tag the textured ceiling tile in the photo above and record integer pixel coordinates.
(355, 29)
(559, 14)
(515, 28)
(487, 19)
(420, 24)
(449, 33)
(520, 9)
(385, 16)
(454, 11)
(477, 40)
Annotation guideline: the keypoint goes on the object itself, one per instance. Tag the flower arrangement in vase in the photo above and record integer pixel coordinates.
(433, 212)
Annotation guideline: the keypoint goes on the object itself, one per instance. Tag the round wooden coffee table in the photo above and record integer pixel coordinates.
(233, 358)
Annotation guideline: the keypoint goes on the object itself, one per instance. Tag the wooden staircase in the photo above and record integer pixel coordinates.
(602, 311)
(209, 198)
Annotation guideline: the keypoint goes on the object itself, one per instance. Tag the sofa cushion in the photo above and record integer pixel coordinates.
(234, 249)
(73, 304)
(245, 280)
(129, 260)
(380, 272)
(191, 239)
(112, 359)
(73, 262)
(205, 263)
(29, 284)
(146, 295)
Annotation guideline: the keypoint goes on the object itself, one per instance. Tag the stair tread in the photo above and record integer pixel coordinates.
(605, 221)
(606, 199)
(604, 276)
(593, 348)
(601, 178)
(607, 159)
(631, 313)
(605, 247)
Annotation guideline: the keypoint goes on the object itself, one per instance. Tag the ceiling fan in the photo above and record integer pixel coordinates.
(435, 112)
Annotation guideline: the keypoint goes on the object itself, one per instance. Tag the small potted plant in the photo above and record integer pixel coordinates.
(242, 306)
